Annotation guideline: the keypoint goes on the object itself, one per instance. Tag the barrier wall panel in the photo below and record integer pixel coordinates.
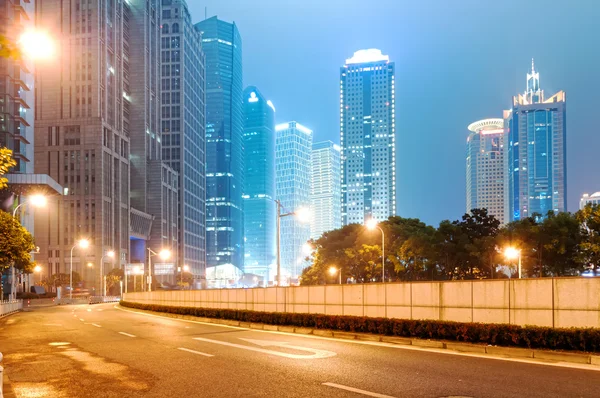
(536, 317)
(577, 293)
(489, 315)
(334, 309)
(398, 294)
(398, 312)
(316, 299)
(456, 301)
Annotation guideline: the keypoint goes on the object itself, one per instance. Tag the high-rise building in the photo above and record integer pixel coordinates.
(259, 194)
(486, 167)
(183, 127)
(367, 137)
(587, 199)
(224, 149)
(99, 135)
(326, 194)
(293, 171)
(536, 148)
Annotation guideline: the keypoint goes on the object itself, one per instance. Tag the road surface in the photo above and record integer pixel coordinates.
(103, 351)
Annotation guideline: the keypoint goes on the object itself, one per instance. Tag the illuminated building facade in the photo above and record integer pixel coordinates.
(367, 137)
(486, 167)
(536, 152)
(325, 189)
(587, 199)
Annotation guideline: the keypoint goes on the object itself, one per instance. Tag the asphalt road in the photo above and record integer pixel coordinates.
(102, 351)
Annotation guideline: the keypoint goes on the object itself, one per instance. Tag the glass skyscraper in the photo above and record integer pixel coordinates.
(224, 150)
(259, 194)
(486, 167)
(293, 171)
(367, 137)
(325, 188)
(183, 128)
(536, 152)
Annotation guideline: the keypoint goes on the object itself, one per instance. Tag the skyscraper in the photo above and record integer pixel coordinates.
(293, 171)
(259, 194)
(536, 152)
(325, 188)
(486, 167)
(224, 149)
(183, 127)
(367, 137)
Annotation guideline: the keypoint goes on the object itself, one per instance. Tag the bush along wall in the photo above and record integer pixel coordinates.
(573, 339)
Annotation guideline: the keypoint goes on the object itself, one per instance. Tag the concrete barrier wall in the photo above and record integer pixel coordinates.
(554, 302)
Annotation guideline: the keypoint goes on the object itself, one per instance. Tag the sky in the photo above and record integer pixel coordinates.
(456, 62)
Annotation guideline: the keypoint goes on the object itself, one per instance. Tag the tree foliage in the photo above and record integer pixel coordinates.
(473, 247)
(6, 162)
(16, 244)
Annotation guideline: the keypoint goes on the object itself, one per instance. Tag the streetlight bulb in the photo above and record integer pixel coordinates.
(90, 265)
(303, 214)
(165, 254)
(37, 268)
(332, 270)
(371, 224)
(511, 253)
(110, 254)
(186, 268)
(83, 243)
(38, 200)
(136, 270)
(307, 248)
(36, 44)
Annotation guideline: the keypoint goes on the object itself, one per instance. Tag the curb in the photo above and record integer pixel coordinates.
(497, 351)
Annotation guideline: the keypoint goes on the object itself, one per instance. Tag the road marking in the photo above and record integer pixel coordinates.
(52, 324)
(89, 310)
(99, 309)
(316, 354)
(385, 345)
(127, 334)
(95, 324)
(195, 352)
(81, 319)
(356, 390)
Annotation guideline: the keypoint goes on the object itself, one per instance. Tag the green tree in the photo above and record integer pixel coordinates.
(481, 230)
(113, 277)
(6, 162)
(589, 219)
(8, 49)
(16, 244)
(561, 239)
(524, 235)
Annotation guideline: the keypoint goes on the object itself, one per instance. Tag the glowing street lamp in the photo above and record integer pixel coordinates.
(109, 254)
(82, 244)
(371, 225)
(333, 271)
(164, 254)
(33, 200)
(302, 214)
(36, 44)
(512, 253)
(38, 270)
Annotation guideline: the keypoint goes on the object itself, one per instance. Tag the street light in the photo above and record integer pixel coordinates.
(333, 270)
(512, 253)
(109, 254)
(33, 200)
(36, 44)
(38, 270)
(371, 225)
(82, 244)
(164, 254)
(302, 214)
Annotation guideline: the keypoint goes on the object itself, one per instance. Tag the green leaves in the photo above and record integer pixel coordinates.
(16, 244)
(6, 162)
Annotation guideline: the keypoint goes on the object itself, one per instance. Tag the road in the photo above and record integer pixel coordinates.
(103, 351)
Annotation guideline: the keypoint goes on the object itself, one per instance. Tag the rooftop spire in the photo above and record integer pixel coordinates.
(533, 94)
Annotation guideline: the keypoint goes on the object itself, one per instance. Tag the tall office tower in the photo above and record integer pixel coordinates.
(536, 152)
(367, 137)
(293, 148)
(587, 199)
(183, 127)
(326, 194)
(259, 194)
(485, 167)
(224, 150)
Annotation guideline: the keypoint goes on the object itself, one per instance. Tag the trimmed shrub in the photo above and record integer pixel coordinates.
(572, 339)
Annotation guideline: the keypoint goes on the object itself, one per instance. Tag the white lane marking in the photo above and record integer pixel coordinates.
(81, 319)
(195, 352)
(358, 391)
(99, 309)
(89, 310)
(52, 324)
(386, 345)
(127, 334)
(316, 354)
(95, 324)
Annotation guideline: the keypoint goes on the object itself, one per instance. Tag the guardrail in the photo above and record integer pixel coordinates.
(1, 377)
(8, 307)
(103, 299)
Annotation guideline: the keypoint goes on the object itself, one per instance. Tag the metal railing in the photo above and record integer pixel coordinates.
(103, 299)
(10, 306)
(1, 377)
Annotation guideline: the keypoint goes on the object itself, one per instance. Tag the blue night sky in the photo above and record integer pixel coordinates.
(456, 62)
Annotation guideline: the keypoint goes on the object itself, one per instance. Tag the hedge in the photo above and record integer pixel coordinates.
(572, 339)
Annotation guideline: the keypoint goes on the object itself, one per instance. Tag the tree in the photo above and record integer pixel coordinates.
(8, 49)
(6, 162)
(16, 244)
(525, 236)
(113, 277)
(561, 239)
(589, 219)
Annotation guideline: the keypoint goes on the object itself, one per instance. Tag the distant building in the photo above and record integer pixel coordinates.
(325, 188)
(367, 137)
(586, 199)
(485, 167)
(224, 150)
(259, 194)
(293, 166)
(183, 129)
(536, 148)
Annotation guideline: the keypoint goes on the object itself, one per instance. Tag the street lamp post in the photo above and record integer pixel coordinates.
(511, 253)
(109, 254)
(83, 244)
(333, 270)
(38, 270)
(372, 224)
(302, 214)
(164, 254)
